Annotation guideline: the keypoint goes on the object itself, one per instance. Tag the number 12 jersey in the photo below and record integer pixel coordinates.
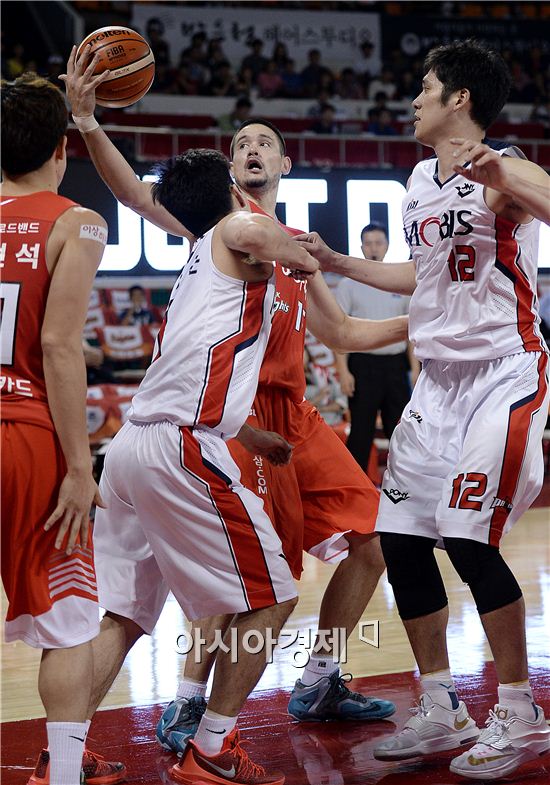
(475, 296)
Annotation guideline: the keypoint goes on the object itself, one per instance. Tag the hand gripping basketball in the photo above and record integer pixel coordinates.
(124, 60)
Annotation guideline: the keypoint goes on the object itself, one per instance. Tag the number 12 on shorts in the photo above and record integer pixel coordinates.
(467, 488)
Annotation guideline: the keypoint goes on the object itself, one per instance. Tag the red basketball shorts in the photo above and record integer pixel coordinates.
(52, 597)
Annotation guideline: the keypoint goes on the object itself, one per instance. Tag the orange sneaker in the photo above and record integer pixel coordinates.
(95, 770)
(231, 765)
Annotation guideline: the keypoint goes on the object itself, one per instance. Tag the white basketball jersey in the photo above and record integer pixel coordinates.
(475, 296)
(209, 349)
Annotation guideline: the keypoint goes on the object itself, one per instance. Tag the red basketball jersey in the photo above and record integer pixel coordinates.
(283, 364)
(25, 225)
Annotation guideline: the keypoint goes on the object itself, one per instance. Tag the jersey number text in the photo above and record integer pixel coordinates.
(466, 499)
(461, 263)
(9, 305)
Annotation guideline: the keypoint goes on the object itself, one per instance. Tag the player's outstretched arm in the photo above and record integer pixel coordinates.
(80, 235)
(524, 185)
(343, 333)
(261, 241)
(399, 278)
(111, 165)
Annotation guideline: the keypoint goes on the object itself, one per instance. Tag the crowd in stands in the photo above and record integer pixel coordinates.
(202, 68)
(269, 71)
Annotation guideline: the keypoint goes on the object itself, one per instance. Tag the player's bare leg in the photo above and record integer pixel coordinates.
(244, 674)
(321, 692)
(116, 637)
(236, 673)
(440, 720)
(64, 685)
(64, 682)
(180, 719)
(206, 629)
(505, 630)
(216, 743)
(350, 588)
(428, 638)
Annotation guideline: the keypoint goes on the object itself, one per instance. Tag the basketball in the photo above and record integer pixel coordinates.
(129, 58)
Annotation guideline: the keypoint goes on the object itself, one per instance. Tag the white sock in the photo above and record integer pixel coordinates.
(213, 729)
(319, 665)
(440, 687)
(519, 697)
(88, 723)
(189, 688)
(66, 746)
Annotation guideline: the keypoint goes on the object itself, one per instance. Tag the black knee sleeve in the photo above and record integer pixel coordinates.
(484, 570)
(413, 574)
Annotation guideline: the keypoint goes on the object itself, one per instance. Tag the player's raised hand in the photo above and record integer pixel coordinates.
(80, 83)
(316, 246)
(268, 444)
(72, 513)
(486, 166)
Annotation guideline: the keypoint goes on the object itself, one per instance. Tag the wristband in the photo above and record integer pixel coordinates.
(86, 124)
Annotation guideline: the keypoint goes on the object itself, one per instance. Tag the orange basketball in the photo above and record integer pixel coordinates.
(129, 58)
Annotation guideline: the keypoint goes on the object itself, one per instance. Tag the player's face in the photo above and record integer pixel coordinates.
(374, 245)
(257, 160)
(431, 116)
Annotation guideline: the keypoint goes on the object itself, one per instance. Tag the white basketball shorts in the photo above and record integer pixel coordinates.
(466, 458)
(178, 518)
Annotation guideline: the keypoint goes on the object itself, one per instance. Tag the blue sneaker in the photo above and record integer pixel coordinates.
(179, 723)
(330, 699)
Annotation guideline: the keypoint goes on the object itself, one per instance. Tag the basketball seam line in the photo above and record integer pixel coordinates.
(113, 71)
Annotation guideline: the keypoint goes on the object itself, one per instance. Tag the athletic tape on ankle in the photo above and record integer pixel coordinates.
(85, 124)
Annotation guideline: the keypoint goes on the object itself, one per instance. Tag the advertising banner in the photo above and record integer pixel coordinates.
(338, 35)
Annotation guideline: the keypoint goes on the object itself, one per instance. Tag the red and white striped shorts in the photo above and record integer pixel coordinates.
(466, 458)
(52, 597)
(178, 519)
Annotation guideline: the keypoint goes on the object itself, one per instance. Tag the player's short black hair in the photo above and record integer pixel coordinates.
(481, 70)
(195, 187)
(136, 288)
(374, 227)
(34, 121)
(260, 121)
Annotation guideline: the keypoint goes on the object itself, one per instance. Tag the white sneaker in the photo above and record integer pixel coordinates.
(432, 728)
(504, 745)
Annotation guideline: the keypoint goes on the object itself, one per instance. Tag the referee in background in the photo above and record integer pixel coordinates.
(375, 381)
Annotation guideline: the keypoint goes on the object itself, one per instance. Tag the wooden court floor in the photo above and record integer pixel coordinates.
(318, 754)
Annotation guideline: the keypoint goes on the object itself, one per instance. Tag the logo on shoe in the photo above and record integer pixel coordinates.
(395, 495)
(209, 766)
(459, 724)
(473, 761)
